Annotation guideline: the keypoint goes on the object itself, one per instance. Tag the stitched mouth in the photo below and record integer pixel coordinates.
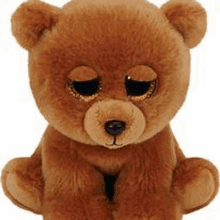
(114, 143)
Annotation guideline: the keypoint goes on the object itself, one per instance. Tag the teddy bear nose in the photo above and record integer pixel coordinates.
(114, 127)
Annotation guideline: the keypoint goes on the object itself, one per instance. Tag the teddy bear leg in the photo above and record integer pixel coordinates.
(196, 183)
(22, 183)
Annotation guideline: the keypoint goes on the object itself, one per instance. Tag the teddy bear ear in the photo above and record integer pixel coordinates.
(31, 19)
(189, 18)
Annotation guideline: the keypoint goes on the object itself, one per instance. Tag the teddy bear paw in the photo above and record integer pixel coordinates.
(20, 188)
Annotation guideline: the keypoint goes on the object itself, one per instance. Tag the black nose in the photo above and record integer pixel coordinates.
(114, 127)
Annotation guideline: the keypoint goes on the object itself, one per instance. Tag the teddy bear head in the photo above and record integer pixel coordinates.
(109, 73)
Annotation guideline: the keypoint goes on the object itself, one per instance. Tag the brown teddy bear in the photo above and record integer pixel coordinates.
(109, 76)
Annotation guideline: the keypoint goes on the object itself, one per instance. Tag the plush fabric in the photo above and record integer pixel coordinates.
(109, 76)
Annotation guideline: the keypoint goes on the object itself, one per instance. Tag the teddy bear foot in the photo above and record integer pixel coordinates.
(20, 187)
(196, 182)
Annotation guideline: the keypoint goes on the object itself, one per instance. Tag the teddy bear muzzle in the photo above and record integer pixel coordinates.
(114, 123)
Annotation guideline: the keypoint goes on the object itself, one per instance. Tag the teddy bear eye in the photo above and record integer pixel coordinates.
(139, 88)
(86, 88)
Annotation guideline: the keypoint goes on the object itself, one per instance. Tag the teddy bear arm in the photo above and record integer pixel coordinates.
(22, 182)
(73, 187)
(141, 196)
(143, 186)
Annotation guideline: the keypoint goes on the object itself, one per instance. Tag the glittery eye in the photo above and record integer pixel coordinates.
(139, 88)
(85, 88)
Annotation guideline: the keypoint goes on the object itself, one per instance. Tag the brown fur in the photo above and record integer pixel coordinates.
(63, 179)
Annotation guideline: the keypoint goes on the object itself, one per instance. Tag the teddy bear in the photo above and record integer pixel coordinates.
(108, 76)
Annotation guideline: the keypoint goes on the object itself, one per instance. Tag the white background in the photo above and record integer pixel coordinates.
(196, 126)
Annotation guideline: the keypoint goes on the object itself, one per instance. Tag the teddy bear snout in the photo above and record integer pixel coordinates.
(114, 123)
(115, 127)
